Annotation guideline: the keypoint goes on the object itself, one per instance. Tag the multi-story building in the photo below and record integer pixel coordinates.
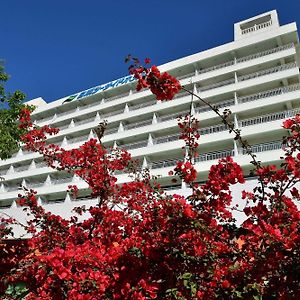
(256, 76)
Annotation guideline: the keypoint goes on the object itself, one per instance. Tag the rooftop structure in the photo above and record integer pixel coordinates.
(256, 76)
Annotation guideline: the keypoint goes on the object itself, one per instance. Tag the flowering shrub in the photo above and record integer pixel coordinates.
(140, 243)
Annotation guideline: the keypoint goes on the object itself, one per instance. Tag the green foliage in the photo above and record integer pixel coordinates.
(17, 291)
(10, 107)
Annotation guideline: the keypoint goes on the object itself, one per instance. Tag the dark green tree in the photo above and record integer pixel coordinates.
(10, 107)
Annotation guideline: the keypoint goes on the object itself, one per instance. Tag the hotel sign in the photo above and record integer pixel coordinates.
(100, 88)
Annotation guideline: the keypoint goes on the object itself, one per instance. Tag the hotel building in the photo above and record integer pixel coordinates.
(256, 76)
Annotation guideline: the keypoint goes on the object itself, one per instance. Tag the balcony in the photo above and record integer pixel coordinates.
(85, 121)
(221, 104)
(62, 180)
(78, 139)
(137, 125)
(269, 118)
(262, 147)
(21, 168)
(166, 139)
(269, 93)
(257, 27)
(239, 60)
(267, 72)
(132, 146)
(112, 113)
(214, 155)
(142, 105)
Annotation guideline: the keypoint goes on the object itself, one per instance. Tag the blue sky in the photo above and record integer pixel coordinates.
(56, 48)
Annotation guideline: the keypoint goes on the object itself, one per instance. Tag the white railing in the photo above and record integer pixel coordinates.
(78, 139)
(269, 117)
(111, 131)
(214, 155)
(88, 105)
(39, 121)
(265, 53)
(262, 147)
(138, 124)
(267, 72)
(61, 180)
(112, 113)
(186, 75)
(257, 27)
(216, 67)
(217, 85)
(172, 116)
(116, 97)
(3, 172)
(163, 163)
(136, 145)
(141, 105)
(21, 168)
(13, 188)
(269, 93)
(89, 120)
(213, 129)
(171, 188)
(64, 127)
(41, 165)
(166, 139)
(221, 104)
(181, 95)
(35, 184)
(66, 112)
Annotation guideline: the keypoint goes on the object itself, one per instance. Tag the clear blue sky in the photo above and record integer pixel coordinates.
(53, 48)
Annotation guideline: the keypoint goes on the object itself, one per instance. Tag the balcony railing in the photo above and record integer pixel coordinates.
(78, 139)
(41, 165)
(270, 146)
(163, 163)
(240, 60)
(88, 105)
(13, 188)
(85, 121)
(166, 139)
(66, 112)
(112, 113)
(64, 126)
(217, 85)
(116, 97)
(172, 116)
(221, 104)
(35, 184)
(267, 72)
(181, 95)
(62, 180)
(265, 53)
(21, 168)
(132, 146)
(257, 27)
(214, 155)
(3, 172)
(269, 118)
(111, 131)
(141, 105)
(269, 93)
(138, 124)
(213, 129)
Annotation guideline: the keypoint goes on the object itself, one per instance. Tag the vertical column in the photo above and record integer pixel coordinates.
(236, 98)
(154, 119)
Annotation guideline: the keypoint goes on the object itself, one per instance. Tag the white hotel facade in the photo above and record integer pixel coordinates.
(256, 76)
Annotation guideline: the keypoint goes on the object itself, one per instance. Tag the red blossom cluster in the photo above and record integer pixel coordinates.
(162, 85)
(141, 243)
